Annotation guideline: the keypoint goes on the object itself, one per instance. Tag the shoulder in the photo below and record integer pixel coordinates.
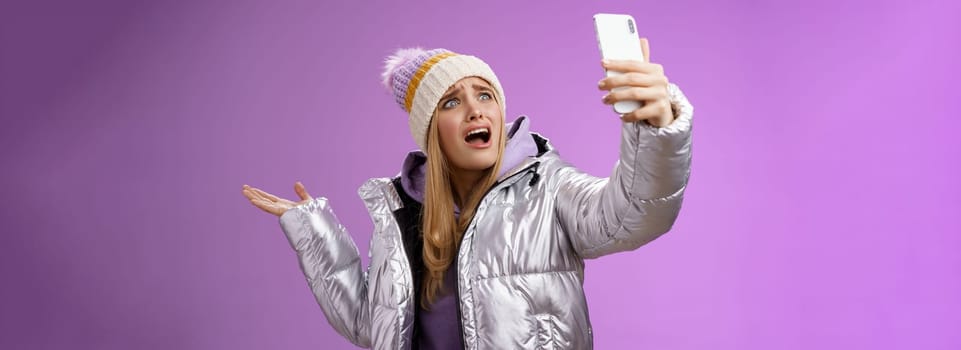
(380, 195)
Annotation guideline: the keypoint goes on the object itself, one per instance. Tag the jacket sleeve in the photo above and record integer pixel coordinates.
(641, 199)
(331, 263)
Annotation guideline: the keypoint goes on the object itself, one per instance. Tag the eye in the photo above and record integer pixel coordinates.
(486, 96)
(451, 103)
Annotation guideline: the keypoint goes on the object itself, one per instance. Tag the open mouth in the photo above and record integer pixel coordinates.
(479, 136)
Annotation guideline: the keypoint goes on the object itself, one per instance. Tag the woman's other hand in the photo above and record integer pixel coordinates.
(273, 204)
(646, 82)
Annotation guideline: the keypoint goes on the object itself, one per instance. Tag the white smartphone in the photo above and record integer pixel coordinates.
(618, 40)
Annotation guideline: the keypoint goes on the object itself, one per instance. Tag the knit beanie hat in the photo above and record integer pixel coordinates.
(419, 78)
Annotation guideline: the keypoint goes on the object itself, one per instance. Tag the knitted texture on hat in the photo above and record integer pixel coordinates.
(418, 79)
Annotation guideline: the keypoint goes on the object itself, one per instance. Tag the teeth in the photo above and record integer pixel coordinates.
(477, 131)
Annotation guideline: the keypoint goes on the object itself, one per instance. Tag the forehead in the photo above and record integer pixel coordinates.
(469, 82)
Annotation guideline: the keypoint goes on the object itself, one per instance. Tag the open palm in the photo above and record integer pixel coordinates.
(273, 204)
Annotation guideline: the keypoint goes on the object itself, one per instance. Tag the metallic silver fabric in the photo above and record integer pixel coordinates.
(520, 264)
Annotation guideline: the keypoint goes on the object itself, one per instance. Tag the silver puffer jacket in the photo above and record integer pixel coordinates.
(520, 265)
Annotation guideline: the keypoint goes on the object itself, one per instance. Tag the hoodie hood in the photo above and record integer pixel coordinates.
(520, 146)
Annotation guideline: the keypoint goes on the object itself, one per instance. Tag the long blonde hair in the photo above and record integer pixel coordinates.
(442, 232)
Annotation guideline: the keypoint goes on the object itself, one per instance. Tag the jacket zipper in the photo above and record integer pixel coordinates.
(497, 185)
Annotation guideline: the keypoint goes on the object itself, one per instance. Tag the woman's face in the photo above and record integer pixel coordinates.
(470, 121)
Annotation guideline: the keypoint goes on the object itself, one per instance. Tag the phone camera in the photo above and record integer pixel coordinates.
(630, 25)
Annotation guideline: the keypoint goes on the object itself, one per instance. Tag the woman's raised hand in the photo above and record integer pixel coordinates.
(273, 204)
(646, 82)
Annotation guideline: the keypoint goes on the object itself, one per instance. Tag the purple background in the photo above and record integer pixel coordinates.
(823, 211)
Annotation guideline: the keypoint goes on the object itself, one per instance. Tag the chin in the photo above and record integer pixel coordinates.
(478, 162)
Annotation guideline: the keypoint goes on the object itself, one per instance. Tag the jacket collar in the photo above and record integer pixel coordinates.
(522, 149)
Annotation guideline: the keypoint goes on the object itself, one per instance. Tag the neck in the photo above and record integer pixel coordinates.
(462, 183)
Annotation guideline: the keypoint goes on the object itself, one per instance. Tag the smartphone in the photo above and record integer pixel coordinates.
(618, 40)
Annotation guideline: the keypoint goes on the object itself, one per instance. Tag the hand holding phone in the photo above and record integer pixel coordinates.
(618, 40)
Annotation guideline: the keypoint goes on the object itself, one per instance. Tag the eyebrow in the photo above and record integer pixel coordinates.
(456, 90)
(451, 93)
(482, 88)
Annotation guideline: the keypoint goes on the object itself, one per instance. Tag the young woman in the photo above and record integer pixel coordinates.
(479, 242)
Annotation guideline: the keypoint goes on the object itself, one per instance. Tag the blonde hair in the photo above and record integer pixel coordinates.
(441, 231)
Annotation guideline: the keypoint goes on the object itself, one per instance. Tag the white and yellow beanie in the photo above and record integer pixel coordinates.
(419, 78)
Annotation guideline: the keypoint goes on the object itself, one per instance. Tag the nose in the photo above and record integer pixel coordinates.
(474, 109)
(474, 114)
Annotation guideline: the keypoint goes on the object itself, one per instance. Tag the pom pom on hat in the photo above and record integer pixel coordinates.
(418, 78)
(398, 59)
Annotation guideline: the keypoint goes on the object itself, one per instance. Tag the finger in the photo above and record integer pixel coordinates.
(632, 79)
(635, 94)
(257, 194)
(648, 111)
(301, 191)
(267, 206)
(286, 203)
(646, 49)
(265, 195)
(626, 66)
(250, 194)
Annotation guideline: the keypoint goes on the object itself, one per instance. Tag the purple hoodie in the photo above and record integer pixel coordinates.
(517, 149)
(439, 327)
